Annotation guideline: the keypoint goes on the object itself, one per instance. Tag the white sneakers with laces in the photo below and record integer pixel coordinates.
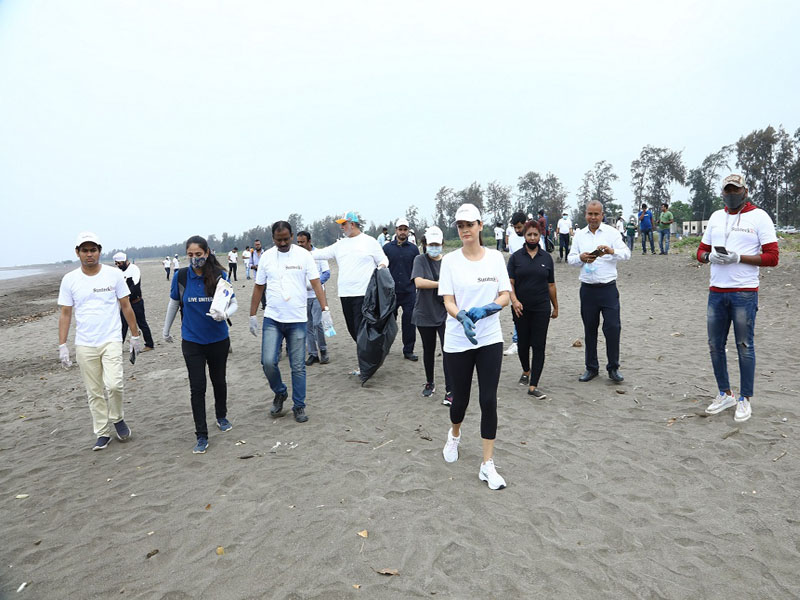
(512, 349)
(743, 410)
(450, 450)
(720, 403)
(489, 474)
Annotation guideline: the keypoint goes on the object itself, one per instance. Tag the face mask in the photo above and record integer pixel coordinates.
(531, 246)
(733, 200)
(434, 251)
(198, 261)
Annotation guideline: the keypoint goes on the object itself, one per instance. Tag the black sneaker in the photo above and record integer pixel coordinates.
(277, 404)
(448, 399)
(123, 431)
(300, 415)
(101, 443)
(428, 390)
(523, 379)
(311, 360)
(323, 358)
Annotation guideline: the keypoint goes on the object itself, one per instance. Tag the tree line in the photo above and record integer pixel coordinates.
(768, 158)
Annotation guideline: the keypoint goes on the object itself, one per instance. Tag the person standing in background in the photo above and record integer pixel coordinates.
(646, 229)
(630, 230)
(316, 343)
(133, 279)
(498, 236)
(166, 264)
(246, 261)
(401, 254)
(516, 240)
(564, 230)
(252, 266)
(176, 264)
(665, 219)
(233, 258)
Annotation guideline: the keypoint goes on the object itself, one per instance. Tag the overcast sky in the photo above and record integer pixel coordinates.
(154, 120)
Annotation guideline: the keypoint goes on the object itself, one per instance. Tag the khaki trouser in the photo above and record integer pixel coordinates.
(101, 368)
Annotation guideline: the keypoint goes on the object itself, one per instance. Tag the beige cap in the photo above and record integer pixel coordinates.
(734, 179)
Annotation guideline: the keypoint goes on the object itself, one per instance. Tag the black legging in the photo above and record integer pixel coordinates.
(487, 360)
(352, 307)
(232, 270)
(196, 357)
(428, 337)
(532, 333)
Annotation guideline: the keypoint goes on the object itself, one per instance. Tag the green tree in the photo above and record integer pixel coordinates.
(531, 190)
(703, 183)
(445, 204)
(554, 197)
(498, 202)
(596, 185)
(681, 211)
(473, 194)
(652, 174)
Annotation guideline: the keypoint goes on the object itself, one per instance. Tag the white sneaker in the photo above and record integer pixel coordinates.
(490, 476)
(720, 403)
(512, 349)
(450, 450)
(743, 410)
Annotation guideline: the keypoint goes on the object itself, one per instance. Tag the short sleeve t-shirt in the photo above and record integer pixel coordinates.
(232, 257)
(515, 242)
(646, 221)
(531, 277)
(166, 262)
(429, 310)
(176, 263)
(285, 274)
(744, 233)
(498, 234)
(356, 258)
(197, 326)
(95, 302)
(664, 219)
(473, 283)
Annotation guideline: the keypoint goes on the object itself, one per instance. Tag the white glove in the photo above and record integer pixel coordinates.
(731, 258)
(327, 320)
(254, 325)
(168, 338)
(217, 315)
(136, 344)
(63, 356)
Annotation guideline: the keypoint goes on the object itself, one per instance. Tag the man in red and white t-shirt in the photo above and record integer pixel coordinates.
(738, 240)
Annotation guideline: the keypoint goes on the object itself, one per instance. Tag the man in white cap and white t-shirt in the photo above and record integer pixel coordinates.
(96, 293)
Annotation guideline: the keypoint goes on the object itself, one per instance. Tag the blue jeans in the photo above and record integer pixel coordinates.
(273, 334)
(740, 309)
(663, 240)
(647, 234)
(315, 336)
(631, 237)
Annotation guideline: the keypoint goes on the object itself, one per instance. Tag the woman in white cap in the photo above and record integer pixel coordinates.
(429, 312)
(474, 283)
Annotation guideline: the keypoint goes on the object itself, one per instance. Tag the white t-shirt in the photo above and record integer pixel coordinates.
(95, 302)
(176, 263)
(133, 273)
(356, 258)
(621, 226)
(498, 233)
(285, 275)
(743, 233)
(322, 266)
(233, 256)
(245, 257)
(510, 231)
(473, 283)
(564, 225)
(166, 262)
(515, 242)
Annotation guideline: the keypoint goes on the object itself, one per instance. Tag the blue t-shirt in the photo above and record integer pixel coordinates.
(647, 221)
(197, 326)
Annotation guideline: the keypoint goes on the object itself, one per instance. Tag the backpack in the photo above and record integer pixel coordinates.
(183, 277)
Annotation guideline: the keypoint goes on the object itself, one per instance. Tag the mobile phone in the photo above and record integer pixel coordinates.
(720, 249)
(597, 252)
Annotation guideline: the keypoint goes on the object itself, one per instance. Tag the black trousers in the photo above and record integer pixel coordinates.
(428, 337)
(596, 299)
(563, 245)
(141, 323)
(197, 356)
(232, 270)
(532, 335)
(487, 360)
(167, 270)
(406, 302)
(351, 307)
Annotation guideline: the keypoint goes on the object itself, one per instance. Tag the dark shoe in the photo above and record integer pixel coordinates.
(311, 360)
(537, 394)
(523, 379)
(300, 415)
(102, 442)
(615, 375)
(123, 431)
(412, 357)
(428, 390)
(277, 404)
(323, 358)
(448, 399)
(224, 425)
(201, 446)
(587, 376)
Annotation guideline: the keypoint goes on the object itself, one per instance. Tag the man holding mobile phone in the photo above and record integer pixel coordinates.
(738, 240)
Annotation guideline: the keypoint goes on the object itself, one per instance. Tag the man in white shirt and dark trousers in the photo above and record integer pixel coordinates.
(133, 279)
(252, 265)
(596, 249)
(233, 258)
(96, 293)
(564, 229)
(284, 271)
(357, 256)
(316, 344)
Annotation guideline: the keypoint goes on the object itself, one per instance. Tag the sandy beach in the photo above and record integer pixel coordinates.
(614, 491)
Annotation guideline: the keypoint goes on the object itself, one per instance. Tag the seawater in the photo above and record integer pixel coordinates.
(15, 273)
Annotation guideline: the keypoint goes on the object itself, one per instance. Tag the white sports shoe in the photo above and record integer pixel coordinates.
(720, 403)
(450, 450)
(490, 476)
(512, 349)
(743, 410)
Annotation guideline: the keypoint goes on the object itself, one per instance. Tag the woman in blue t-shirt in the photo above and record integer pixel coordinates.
(205, 338)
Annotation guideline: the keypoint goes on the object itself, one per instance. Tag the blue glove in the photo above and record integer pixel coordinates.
(476, 313)
(468, 325)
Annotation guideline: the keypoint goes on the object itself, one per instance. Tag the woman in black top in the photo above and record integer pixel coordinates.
(429, 311)
(533, 291)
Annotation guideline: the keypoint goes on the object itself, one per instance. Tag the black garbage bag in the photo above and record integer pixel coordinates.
(379, 326)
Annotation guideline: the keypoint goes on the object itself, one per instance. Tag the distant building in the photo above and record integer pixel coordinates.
(694, 227)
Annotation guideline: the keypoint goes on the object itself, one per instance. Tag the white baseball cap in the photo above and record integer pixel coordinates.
(400, 223)
(468, 212)
(434, 235)
(120, 257)
(87, 236)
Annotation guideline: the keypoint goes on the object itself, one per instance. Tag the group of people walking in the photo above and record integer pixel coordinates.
(457, 298)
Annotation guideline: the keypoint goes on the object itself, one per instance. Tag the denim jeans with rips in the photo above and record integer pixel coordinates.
(740, 309)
